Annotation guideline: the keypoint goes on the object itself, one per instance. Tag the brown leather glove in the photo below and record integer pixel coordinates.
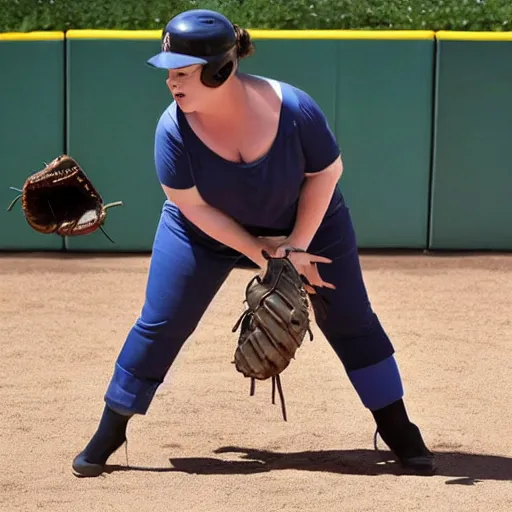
(61, 199)
(274, 323)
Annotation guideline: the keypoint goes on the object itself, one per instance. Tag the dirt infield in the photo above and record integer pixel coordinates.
(206, 445)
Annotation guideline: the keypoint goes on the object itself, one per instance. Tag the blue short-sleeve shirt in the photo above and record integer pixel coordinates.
(262, 195)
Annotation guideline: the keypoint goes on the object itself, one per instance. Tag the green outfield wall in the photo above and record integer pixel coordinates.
(422, 128)
(384, 100)
(113, 104)
(472, 166)
(32, 122)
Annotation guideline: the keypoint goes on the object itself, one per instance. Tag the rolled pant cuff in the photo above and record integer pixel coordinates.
(128, 394)
(378, 385)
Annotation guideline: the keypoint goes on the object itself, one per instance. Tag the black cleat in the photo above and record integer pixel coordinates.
(410, 450)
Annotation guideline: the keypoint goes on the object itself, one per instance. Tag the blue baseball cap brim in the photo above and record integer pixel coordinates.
(170, 60)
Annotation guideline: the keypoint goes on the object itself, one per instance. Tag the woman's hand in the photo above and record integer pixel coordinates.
(304, 262)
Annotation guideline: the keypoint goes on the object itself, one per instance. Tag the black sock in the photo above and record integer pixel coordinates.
(397, 431)
(391, 418)
(109, 436)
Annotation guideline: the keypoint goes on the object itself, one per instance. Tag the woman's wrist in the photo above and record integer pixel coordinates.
(298, 242)
(255, 252)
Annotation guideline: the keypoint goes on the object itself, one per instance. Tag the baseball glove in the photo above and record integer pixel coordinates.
(61, 199)
(274, 324)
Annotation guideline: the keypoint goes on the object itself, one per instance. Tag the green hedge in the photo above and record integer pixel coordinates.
(485, 15)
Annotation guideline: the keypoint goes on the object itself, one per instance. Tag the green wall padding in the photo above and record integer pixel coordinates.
(378, 96)
(31, 130)
(384, 101)
(286, 60)
(114, 103)
(472, 170)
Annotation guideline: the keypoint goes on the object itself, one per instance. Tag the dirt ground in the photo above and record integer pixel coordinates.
(206, 445)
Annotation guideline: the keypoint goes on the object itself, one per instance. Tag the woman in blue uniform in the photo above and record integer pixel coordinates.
(247, 163)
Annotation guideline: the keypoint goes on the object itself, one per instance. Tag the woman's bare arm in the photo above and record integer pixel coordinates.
(216, 224)
(314, 200)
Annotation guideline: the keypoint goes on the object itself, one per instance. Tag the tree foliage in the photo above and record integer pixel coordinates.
(484, 15)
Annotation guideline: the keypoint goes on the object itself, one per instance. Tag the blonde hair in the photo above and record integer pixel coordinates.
(244, 42)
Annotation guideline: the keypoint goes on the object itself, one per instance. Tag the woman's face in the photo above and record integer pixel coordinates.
(187, 89)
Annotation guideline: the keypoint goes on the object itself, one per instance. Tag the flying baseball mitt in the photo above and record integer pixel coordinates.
(61, 199)
(274, 324)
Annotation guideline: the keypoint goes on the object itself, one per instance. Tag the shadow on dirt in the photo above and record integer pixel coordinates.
(464, 468)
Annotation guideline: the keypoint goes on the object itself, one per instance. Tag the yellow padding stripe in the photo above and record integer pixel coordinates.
(31, 36)
(447, 35)
(342, 34)
(113, 34)
(264, 34)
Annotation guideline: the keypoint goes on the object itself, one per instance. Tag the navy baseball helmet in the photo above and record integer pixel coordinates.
(199, 36)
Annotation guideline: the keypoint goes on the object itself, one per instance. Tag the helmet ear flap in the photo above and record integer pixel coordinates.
(224, 72)
(219, 69)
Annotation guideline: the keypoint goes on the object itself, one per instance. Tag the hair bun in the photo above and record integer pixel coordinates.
(245, 44)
